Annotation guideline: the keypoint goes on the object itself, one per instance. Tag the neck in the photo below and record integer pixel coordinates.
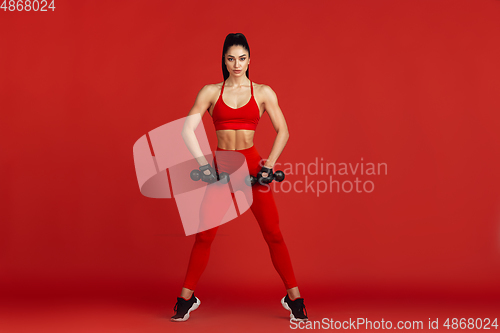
(237, 81)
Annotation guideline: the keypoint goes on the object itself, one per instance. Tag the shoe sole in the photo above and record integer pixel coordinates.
(192, 308)
(292, 317)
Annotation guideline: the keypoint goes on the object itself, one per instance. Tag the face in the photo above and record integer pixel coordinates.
(237, 60)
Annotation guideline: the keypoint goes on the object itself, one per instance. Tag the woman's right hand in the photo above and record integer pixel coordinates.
(209, 174)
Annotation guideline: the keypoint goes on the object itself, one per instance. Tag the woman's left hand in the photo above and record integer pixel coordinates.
(265, 175)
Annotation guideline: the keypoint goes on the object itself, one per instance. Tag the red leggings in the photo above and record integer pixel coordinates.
(265, 211)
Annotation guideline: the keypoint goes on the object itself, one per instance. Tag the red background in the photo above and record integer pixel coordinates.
(413, 84)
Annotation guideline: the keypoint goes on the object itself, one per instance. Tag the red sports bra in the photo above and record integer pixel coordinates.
(246, 117)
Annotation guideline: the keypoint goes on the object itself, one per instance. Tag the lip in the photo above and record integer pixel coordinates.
(237, 71)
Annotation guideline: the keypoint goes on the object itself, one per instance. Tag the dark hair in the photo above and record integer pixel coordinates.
(234, 39)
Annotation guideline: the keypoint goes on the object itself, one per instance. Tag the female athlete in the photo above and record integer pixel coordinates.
(236, 105)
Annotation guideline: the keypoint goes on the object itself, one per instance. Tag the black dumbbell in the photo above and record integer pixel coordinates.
(196, 175)
(224, 177)
(278, 176)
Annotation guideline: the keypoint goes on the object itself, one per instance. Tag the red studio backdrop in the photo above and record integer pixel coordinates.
(410, 87)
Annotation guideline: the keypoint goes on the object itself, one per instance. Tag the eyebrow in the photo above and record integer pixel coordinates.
(244, 54)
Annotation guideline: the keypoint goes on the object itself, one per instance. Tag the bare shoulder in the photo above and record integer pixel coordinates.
(211, 88)
(208, 92)
(264, 92)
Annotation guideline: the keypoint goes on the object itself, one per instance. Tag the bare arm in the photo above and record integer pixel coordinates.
(279, 124)
(201, 104)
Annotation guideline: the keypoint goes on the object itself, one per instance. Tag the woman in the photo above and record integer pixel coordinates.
(236, 105)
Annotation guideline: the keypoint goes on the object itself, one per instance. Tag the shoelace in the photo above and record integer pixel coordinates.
(179, 306)
(302, 308)
(176, 307)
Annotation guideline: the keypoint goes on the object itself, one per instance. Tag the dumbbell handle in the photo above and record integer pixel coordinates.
(278, 175)
(196, 175)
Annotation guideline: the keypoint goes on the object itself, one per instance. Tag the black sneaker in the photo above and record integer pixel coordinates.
(296, 308)
(182, 308)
